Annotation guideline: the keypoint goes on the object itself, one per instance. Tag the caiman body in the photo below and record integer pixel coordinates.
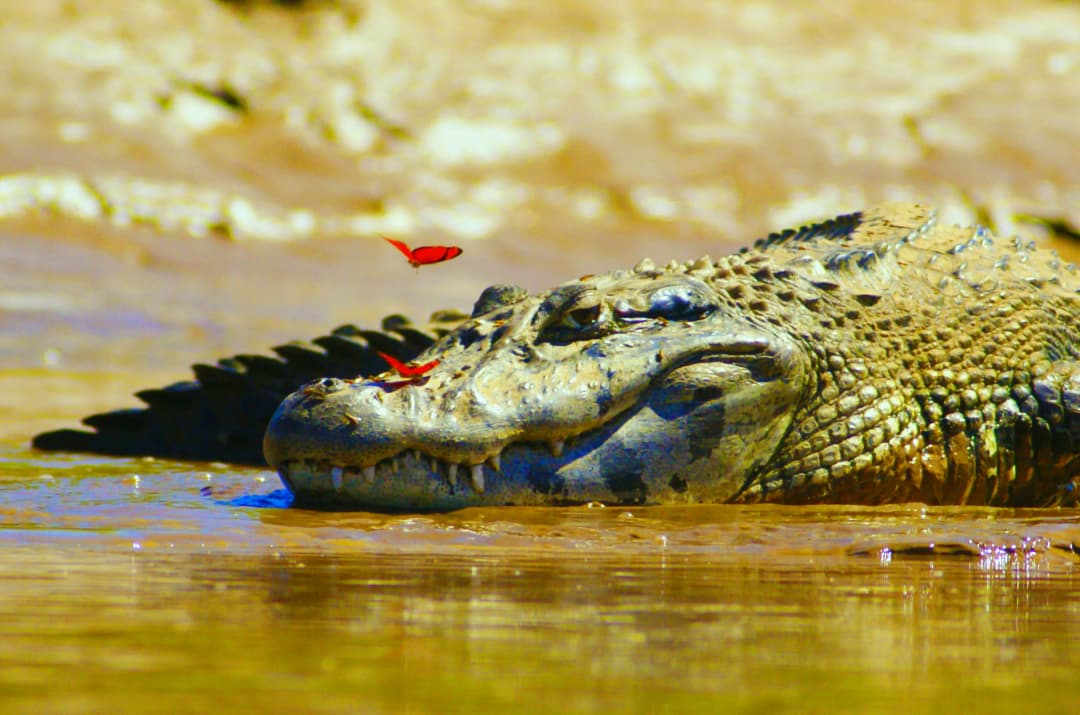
(874, 358)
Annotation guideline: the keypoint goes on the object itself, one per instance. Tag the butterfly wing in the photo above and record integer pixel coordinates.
(401, 246)
(426, 367)
(396, 365)
(424, 255)
(408, 370)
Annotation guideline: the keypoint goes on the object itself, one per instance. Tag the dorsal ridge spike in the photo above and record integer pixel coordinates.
(645, 265)
(700, 264)
(891, 224)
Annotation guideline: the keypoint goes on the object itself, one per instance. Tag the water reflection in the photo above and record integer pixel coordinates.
(428, 631)
(181, 576)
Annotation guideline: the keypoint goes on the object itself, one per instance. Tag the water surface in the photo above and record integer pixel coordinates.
(131, 585)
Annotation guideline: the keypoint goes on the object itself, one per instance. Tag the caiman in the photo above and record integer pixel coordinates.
(873, 358)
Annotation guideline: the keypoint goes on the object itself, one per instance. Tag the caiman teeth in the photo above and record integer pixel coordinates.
(339, 474)
(556, 446)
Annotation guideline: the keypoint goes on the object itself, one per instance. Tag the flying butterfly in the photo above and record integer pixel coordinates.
(424, 255)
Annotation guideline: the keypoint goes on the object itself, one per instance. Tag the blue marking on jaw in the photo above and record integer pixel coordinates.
(596, 351)
(603, 398)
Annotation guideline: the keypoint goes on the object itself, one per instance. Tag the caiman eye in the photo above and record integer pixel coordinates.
(577, 322)
(582, 318)
(580, 322)
(678, 302)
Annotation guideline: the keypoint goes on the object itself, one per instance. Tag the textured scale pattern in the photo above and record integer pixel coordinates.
(947, 362)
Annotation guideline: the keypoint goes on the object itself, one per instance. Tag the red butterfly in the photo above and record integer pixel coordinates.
(408, 370)
(424, 255)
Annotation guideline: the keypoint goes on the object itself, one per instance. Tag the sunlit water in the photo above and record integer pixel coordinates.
(128, 583)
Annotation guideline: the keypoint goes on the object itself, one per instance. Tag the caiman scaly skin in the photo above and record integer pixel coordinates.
(878, 357)
(874, 358)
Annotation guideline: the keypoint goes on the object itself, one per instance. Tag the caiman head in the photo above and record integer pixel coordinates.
(630, 387)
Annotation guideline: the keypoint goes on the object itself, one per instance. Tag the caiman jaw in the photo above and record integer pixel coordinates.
(410, 481)
(313, 442)
(337, 442)
(415, 480)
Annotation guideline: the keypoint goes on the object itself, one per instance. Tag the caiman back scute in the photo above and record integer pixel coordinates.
(947, 366)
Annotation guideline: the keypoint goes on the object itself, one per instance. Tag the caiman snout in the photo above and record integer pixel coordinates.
(361, 423)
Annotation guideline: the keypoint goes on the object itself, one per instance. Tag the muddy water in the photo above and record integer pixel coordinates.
(135, 586)
(549, 143)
